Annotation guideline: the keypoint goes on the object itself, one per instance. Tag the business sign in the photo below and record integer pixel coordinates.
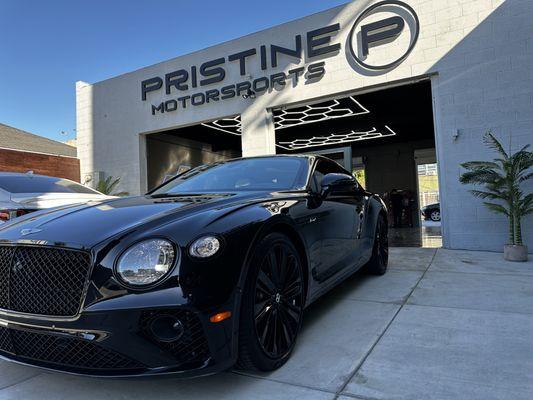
(382, 23)
(384, 35)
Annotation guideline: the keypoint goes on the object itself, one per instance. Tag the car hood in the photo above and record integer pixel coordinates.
(89, 224)
(40, 201)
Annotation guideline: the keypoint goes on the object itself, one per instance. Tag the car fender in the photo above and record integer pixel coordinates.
(262, 227)
(253, 222)
(375, 206)
(259, 220)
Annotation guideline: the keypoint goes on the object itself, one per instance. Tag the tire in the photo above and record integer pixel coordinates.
(380, 252)
(435, 215)
(273, 298)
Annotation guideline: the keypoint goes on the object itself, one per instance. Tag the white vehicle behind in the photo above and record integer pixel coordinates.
(21, 194)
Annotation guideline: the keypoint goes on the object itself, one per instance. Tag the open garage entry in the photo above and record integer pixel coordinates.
(379, 136)
(172, 152)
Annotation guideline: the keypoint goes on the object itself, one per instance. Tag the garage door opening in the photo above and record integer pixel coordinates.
(382, 137)
(175, 151)
(429, 196)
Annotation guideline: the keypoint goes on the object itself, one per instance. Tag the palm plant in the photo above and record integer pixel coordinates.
(108, 185)
(502, 179)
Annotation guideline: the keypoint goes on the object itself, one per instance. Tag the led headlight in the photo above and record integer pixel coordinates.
(147, 262)
(204, 247)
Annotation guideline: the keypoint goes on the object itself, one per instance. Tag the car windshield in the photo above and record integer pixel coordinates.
(41, 184)
(269, 173)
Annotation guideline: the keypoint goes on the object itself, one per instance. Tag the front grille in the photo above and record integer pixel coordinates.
(192, 347)
(67, 352)
(5, 341)
(42, 280)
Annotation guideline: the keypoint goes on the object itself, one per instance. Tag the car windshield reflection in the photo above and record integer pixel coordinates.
(268, 173)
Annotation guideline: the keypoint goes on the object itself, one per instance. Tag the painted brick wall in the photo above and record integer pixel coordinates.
(484, 82)
(19, 161)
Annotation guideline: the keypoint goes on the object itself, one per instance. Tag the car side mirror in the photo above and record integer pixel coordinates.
(337, 183)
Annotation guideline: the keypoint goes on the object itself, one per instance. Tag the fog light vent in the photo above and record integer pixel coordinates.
(166, 328)
(177, 332)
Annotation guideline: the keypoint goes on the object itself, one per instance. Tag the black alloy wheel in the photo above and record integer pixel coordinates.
(278, 301)
(272, 307)
(435, 215)
(380, 253)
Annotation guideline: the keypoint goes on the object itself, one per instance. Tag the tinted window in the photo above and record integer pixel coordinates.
(282, 173)
(324, 167)
(41, 184)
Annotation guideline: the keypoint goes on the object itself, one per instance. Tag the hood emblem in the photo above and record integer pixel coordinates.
(26, 232)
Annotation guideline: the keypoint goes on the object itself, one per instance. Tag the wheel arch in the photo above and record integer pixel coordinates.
(295, 238)
(286, 227)
(376, 208)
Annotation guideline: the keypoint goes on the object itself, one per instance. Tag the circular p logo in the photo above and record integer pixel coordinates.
(384, 35)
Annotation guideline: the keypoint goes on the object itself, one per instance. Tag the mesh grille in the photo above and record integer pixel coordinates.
(191, 347)
(6, 257)
(63, 351)
(42, 280)
(5, 341)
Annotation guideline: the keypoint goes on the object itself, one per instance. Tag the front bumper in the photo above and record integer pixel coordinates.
(124, 343)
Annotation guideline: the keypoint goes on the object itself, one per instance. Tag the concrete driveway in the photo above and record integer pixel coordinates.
(440, 324)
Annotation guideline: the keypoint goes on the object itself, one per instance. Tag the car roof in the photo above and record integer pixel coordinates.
(308, 156)
(276, 156)
(261, 157)
(29, 175)
(33, 176)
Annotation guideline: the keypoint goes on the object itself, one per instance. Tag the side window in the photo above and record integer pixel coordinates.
(322, 168)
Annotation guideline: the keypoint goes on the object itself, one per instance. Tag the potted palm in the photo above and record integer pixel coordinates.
(108, 186)
(502, 180)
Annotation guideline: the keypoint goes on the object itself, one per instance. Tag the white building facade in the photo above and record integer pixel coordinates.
(476, 57)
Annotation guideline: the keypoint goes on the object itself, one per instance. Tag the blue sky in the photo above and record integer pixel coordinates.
(46, 46)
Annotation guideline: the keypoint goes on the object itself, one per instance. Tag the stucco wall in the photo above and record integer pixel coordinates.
(479, 53)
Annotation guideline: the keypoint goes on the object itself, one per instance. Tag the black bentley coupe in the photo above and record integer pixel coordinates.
(211, 270)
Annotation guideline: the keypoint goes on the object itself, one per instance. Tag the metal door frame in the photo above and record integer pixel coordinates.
(422, 157)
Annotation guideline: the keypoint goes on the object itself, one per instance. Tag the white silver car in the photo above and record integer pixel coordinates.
(24, 193)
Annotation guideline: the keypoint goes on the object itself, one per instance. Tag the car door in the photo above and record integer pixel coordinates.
(339, 221)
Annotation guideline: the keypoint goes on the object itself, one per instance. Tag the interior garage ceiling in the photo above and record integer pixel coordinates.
(399, 114)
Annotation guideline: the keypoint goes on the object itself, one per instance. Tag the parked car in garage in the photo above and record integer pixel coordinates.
(431, 212)
(212, 269)
(21, 194)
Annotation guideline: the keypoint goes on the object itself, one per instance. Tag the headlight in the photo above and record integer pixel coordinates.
(147, 262)
(204, 247)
